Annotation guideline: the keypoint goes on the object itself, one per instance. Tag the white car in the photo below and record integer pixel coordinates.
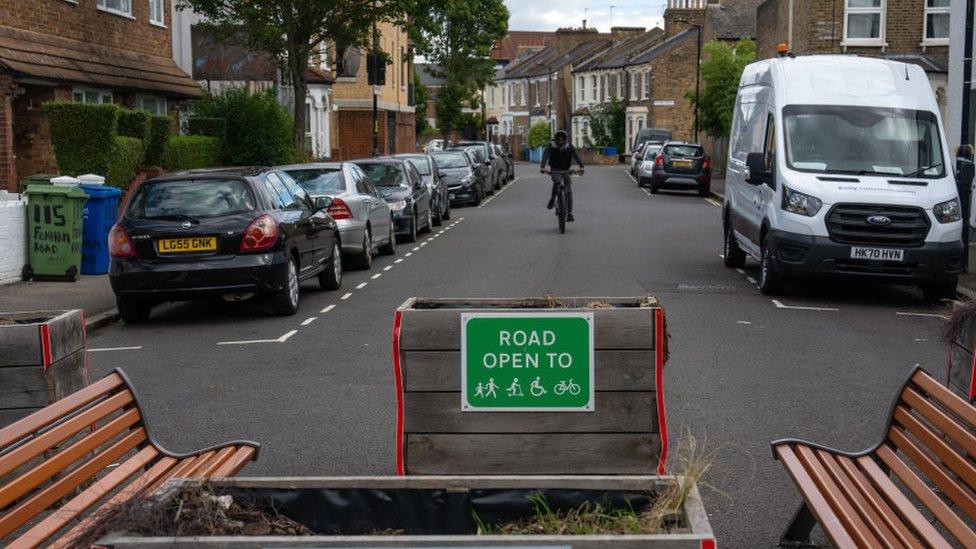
(838, 167)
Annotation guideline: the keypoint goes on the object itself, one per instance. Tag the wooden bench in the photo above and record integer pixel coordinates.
(51, 463)
(915, 488)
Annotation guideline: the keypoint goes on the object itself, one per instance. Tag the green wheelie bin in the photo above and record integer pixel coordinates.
(54, 238)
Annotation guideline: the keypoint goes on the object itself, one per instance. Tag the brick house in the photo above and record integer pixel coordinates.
(515, 43)
(92, 51)
(912, 31)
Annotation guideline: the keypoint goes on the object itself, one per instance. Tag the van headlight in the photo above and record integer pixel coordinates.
(800, 203)
(948, 211)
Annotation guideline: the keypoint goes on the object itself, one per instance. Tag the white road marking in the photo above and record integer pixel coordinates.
(920, 339)
(740, 271)
(780, 305)
(281, 339)
(377, 275)
(361, 286)
(927, 315)
(327, 309)
(347, 296)
(400, 260)
(713, 202)
(107, 349)
(422, 244)
(751, 280)
(415, 248)
(285, 337)
(309, 320)
(388, 267)
(440, 232)
(743, 322)
(408, 254)
(722, 256)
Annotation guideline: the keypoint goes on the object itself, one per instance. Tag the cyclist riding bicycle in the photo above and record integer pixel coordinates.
(559, 155)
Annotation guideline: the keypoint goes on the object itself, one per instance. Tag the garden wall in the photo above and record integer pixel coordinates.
(13, 246)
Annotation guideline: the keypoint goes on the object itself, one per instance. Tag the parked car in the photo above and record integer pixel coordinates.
(644, 135)
(226, 232)
(636, 155)
(480, 162)
(436, 145)
(644, 165)
(680, 165)
(465, 183)
(495, 165)
(842, 180)
(440, 204)
(365, 220)
(399, 183)
(507, 160)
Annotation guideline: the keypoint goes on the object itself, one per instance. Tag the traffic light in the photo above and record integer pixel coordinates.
(375, 69)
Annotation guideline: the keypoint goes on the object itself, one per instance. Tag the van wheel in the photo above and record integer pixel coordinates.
(134, 312)
(734, 257)
(770, 282)
(284, 302)
(935, 293)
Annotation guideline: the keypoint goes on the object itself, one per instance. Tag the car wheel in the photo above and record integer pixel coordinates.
(284, 302)
(640, 182)
(705, 189)
(331, 277)
(134, 312)
(770, 282)
(363, 261)
(438, 217)
(390, 247)
(478, 196)
(934, 293)
(655, 187)
(412, 235)
(447, 210)
(428, 222)
(733, 255)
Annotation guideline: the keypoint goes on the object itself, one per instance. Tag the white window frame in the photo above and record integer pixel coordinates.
(142, 104)
(160, 20)
(646, 91)
(926, 40)
(121, 11)
(880, 40)
(593, 86)
(538, 94)
(621, 85)
(102, 95)
(522, 90)
(635, 90)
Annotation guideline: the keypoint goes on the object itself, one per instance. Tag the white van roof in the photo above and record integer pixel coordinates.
(843, 80)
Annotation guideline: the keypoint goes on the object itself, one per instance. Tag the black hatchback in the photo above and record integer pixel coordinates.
(228, 232)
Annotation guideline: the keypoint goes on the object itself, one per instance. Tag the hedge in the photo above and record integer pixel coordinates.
(134, 124)
(210, 126)
(187, 152)
(126, 157)
(159, 127)
(82, 135)
(262, 129)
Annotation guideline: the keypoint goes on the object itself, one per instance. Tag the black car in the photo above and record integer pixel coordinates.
(459, 169)
(507, 160)
(681, 165)
(227, 232)
(497, 175)
(482, 163)
(400, 184)
(440, 204)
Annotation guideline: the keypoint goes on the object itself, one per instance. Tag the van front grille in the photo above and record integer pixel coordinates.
(848, 224)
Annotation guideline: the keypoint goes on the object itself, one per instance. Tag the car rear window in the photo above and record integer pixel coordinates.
(450, 160)
(192, 198)
(386, 175)
(651, 152)
(421, 164)
(684, 151)
(318, 180)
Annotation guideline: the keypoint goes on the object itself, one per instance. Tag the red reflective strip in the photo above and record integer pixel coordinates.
(46, 345)
(708, 544)
(84, 340)
(398, 381)
(659, 377)
(972, 374)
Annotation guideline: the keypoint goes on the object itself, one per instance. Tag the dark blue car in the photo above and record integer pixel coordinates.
(399, 183)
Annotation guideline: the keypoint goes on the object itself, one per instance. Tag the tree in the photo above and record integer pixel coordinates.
(261, 133)
(456, 37)
(608, 124)
(720, 73)
(420, 94)
(538, 134)
(291, 30)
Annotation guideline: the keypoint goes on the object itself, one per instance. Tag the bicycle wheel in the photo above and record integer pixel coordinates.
(561, 209)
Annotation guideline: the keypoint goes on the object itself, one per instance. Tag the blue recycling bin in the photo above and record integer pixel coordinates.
(98, 216)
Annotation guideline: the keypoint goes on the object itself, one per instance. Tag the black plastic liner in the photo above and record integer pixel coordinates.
(363, 511)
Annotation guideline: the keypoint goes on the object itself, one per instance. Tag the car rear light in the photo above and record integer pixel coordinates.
(261, 234)
(659, 161)
(707, 163)
(119, 243)
(339, 209)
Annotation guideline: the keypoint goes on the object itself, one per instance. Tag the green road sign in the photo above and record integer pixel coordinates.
(530, 362)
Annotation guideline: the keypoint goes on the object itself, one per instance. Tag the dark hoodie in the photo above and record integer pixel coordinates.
(560, 158)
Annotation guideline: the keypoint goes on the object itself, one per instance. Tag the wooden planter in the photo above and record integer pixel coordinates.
(432, 512)
(42, 359)
(624, 434)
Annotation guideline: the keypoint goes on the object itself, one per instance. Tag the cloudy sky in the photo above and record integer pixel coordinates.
(549, 15)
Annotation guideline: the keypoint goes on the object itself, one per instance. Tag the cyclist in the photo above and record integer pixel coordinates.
(559, 156)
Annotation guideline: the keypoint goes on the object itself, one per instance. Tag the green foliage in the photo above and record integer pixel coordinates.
(207, 125)
(262, 129)
(539, 134)
(134, 124)
(420, 96)
(608, 124)
(187, 152)
(82, 135)
(126, 157)
(159, 127)
(720, 73)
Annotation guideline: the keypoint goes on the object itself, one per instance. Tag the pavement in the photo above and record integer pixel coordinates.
(93, 293)
(821, 362)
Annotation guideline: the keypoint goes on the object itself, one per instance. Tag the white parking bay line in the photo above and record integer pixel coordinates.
(751, 280)
(740, 271)
(713, 202)
(108, 349)
(327, 309)
(780, 305)
(375, 276)
(927, 315)
(309, 320)
(408, 254)
(281, 339)
(422, 244)
(346, 296)
(415, 249)
(361, 286)
(285, 337)
(388, 267)
(400, 260)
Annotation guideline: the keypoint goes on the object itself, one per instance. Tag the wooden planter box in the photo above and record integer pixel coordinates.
(624, 434)
(42, 359)
(432, 512)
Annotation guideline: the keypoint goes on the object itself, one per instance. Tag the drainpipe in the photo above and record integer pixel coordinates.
(964, 155)
(789, 28)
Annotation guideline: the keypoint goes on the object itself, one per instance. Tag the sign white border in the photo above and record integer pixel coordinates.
(467, 407)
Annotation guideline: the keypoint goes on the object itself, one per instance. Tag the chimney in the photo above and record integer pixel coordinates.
(619, 34)
(568, 38)
(681, 14)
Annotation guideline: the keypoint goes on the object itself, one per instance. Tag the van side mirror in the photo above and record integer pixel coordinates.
(756, 173)
(323, 202)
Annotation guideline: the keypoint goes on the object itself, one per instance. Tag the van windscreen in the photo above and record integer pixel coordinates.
(863, 141)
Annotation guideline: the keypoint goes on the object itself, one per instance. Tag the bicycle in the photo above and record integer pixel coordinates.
(567, 387)
(558, 176)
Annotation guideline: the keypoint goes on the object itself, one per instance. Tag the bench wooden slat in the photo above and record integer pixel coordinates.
(61, 432)
(878, 502)
(200, 461)
(959, 465)
(80, 503)
(836, 498)
(930, 499)
(825, 515)
(214, 463)
(929, 535)
(945, 397)
(174, 472)
(58, 462)
(48, 415)
(865, 509)
(943, 421)
(42, 499)
(933, 471)
(232, 466)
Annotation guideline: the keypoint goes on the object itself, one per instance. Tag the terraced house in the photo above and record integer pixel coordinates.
(90, 51)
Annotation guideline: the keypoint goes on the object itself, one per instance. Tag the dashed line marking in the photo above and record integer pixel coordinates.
(743, 322)
(281, 339)
(408, 254)
(361, 286)
(285, 337)
(388, 267)
(375, 276)
(740, 271)
(713, 202)
(399, 260)
(109, 349)
(309, 320)
(780, 305)
(751, 280)
(327, 309)
(422, 244)
(346, 296)
(927, 315)
(415, 248)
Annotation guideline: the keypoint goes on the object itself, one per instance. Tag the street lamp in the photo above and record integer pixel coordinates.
(698, 29)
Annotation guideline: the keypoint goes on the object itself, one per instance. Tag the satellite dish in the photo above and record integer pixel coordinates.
(350, 61)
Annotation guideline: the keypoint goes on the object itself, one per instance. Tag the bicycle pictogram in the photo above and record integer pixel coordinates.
(565, 386)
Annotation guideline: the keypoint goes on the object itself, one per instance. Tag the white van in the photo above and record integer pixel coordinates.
(839, 167)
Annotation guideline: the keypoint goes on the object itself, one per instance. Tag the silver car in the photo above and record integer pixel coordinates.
(364, 218)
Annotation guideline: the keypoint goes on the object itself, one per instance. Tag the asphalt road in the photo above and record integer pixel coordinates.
(744, 369)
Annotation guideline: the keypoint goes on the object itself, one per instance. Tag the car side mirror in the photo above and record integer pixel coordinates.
(441, 173)
(756, 173)
(323, 202)
(418, 185)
